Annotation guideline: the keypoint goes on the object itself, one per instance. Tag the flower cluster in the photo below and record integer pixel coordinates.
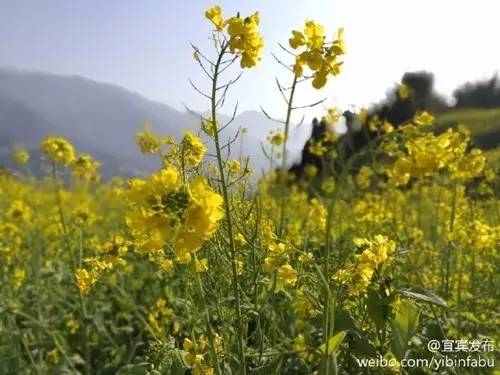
(319, 56)
(196, 351)
(149, 142)
(58, 150)
(426, 154)
(243, 35)
(193, 149)
(162, 209)
(201, 219)
(376, 254)
(21, 156)
(85, 168)
(109, 255)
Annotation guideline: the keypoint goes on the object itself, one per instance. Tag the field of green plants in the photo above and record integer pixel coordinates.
(197, 269)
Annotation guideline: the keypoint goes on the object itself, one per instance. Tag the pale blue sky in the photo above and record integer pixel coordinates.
(144, 45)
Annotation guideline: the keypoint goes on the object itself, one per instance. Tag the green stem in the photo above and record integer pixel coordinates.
(448, 249)
(87, 353)
(283, 173)
(225, 194)
(206, 315)
(326, 314)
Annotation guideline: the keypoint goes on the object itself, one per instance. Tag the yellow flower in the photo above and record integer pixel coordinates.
(328, 184)
(85, 280)
(376, 253)
(298, 39)
(277, 138)
(362, 116)
(240, 266)
(166, 265)
(319, 80)
(58, 150)
(315, 34)
(322, 58)
(298, 69)
(240, 239)
(404, 91)
(54, 356)
(300, 348)
(207, 125)
(233, 166)
(423, 118)
(332, 116)
(73, 325)
(85, 168)
(246, 39)
(288, 275)
(311, 170)
(201, 265)
(363, 179)
(214, 14)
(201, 218)
(387, 127)
(149, 142)
(18, 212)
(193, 149)
(242, 34)
(21, 156)
(18, 277)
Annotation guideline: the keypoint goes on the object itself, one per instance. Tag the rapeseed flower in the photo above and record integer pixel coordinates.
(58, 150)
(320, 57)
(242, 34)
(21, 156)
(193, 149)
(201, 218)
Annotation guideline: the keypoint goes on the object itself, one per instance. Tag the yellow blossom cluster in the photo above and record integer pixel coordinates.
(319, 56)
(21, 156)
(109, 254)
(276, 138)
(162, 209)
(85, 168)
(196, 351)
(148, 142)
(193, 149)
(242, 33)
(58, 150)
(426, 154)
(376, 255)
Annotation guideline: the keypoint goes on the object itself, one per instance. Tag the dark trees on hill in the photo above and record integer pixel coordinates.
(481, 94)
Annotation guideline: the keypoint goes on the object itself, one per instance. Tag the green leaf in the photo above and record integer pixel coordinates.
(377, 310)
(362, 346)
(424, 295)
(134, 369)
(333, 342)
(344, 321)
(404, 327)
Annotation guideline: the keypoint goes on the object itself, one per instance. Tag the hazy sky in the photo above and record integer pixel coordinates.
(144, 45)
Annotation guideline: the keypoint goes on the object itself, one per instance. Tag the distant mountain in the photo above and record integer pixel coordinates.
(102, 119)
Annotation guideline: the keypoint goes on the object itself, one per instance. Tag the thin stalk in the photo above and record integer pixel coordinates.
(284, 155)
(448, 249)
(326, 314)
(225, 194)
(87, 353)
(206, 315)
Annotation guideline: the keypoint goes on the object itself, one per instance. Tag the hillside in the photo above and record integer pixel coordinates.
(484, 124)
(102, 119)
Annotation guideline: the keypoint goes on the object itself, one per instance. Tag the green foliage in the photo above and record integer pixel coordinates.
(404, 327)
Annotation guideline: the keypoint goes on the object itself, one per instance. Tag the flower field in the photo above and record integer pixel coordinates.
(205, 267)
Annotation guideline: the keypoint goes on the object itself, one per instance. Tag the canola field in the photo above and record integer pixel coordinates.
(198, 269)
